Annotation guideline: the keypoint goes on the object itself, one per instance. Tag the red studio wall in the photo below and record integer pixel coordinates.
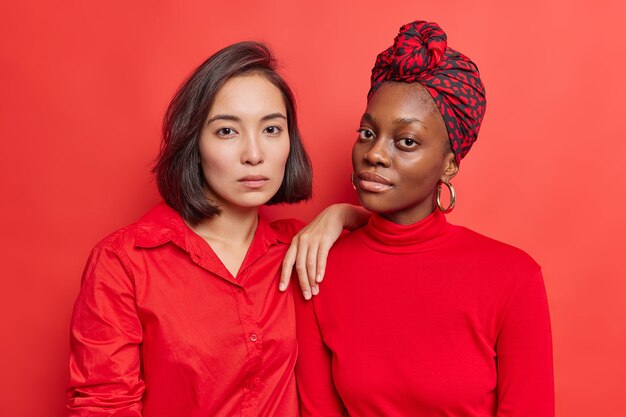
(85, 85)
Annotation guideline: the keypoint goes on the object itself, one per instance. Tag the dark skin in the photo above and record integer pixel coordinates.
(402, 153)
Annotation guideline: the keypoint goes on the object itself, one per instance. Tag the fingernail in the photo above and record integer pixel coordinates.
(306, 294)
(282, 286)
(319, 278)
(315, 290)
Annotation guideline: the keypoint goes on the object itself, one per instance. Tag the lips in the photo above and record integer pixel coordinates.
(373, 182)
(253, 181)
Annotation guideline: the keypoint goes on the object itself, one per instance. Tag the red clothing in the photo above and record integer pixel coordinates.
(426, 320)
(161, 328)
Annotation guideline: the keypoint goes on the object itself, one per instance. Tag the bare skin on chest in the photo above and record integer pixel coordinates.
(230, 238)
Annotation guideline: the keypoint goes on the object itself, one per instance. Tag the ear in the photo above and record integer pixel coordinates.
(450, 167)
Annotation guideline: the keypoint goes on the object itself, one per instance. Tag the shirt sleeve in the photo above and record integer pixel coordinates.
(105, 377)
(524, 354)
(316, 389)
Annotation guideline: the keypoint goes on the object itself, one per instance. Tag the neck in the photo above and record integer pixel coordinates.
(230, 234)
(235, 226)
(411, 215)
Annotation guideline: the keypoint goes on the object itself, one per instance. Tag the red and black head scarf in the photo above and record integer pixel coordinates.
(420, 54)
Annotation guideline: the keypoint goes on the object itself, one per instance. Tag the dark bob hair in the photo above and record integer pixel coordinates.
(178, 168)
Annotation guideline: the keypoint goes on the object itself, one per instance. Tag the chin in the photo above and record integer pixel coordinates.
(374, 203)
(253, 202)
(256, 199)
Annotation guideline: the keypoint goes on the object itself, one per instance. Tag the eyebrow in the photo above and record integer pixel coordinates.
(397, 121)
(274, 116)
(237, 119)
(368, 117)
(407, 121)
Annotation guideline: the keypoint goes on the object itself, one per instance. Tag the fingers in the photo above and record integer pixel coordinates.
(311, 266)
(308, 252)
(306, 265)
(301, 269)
(322, 256)
(287, 268)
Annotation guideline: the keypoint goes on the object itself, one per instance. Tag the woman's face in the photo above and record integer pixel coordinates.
(401, 153)
(244, 143)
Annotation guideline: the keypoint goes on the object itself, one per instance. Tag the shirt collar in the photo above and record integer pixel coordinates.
(426, 234)
(163, 224)
(160, 225)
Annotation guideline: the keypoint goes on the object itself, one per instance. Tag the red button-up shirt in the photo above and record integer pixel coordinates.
(161, 328)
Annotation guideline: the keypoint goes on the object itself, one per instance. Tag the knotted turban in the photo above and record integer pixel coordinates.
(420, 53)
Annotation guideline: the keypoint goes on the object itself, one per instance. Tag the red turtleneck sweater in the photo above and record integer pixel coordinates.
(426, 320)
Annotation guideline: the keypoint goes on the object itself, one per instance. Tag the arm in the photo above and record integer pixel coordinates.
(524, 354)
(105, 377)
(309, 248)
(316, 389)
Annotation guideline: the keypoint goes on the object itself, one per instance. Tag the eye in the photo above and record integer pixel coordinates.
(273, 130)
(407, 144)
(365, 134)
(225, 132)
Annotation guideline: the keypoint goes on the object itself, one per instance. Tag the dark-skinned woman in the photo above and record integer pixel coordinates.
(463, 327)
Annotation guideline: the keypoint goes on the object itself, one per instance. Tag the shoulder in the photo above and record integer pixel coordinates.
(118, 240)
(497, 253)
(348, 240)
(502, 271)
(286, 229)
(349, 248)
(149, 230)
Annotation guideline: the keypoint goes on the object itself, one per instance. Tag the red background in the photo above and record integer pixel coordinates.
(85, 84)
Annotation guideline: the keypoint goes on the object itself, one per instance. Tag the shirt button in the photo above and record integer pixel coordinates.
(239, 289)
(253, 337)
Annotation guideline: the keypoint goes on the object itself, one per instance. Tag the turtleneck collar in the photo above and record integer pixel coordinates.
(428, 233)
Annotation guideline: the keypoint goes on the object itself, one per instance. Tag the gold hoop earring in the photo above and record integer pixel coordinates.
(352, 181)
(452, 196)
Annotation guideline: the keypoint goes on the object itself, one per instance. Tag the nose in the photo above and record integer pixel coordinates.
(378, 154)
(252, 152)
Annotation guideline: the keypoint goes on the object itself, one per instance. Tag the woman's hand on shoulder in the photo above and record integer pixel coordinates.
(309, 248)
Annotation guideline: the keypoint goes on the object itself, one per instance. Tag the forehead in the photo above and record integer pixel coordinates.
(399, 99)
(248, 94)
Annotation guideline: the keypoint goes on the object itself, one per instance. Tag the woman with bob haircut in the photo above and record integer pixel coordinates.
(179, 314)
(464, 328)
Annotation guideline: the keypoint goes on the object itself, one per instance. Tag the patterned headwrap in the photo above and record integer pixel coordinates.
(420, 54)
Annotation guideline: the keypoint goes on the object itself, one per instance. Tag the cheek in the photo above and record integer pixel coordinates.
(356, 155)
(280, 154)
(419, 174)
(286, 148)
(215, 159)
